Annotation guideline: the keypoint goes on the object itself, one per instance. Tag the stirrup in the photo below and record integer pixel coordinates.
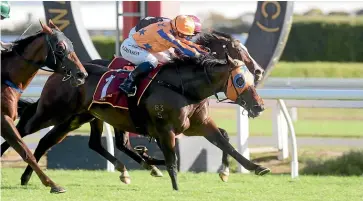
(133, 93)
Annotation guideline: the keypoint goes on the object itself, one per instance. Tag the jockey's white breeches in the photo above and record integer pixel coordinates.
(132, 52)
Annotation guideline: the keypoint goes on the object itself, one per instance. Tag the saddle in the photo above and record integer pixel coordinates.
(108, 92)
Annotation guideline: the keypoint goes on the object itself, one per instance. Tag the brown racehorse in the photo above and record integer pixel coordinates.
(59, 132)
(50, 48)
(180, 113)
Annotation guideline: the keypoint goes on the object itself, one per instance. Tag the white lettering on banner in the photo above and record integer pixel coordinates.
(108, 82)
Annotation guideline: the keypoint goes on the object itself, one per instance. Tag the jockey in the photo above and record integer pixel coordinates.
(142, 47)
(151, 20)
(165, 56)
(5, 11)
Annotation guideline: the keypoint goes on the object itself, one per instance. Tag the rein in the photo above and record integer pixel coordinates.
(181, 89)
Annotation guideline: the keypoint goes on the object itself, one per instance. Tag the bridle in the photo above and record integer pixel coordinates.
(53, 57)
(226, 52)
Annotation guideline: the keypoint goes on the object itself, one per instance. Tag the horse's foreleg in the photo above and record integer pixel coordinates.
(95, 144)
(11, 135)
(25, 118)
(213, 135)
(224, 172)
(123, 144)
(167, 145)
(53, 137)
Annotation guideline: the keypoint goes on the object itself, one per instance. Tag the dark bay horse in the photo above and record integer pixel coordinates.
(60, 130)
(181, 114)
(51, 48)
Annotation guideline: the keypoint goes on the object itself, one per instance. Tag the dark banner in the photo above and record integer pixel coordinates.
(269, 32)
(60, 12)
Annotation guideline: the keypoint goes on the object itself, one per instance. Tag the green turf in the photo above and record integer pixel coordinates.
(262, 127)
(318, 69)
(100, 185)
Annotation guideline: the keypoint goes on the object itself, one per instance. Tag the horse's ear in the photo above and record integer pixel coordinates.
(45, 28)
(51, 24)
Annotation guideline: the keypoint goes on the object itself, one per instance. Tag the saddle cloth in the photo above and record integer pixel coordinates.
(107, 90)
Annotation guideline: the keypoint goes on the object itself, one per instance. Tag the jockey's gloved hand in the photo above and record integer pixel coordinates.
(198, 55)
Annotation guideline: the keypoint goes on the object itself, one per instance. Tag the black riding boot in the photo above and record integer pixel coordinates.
(129, 85)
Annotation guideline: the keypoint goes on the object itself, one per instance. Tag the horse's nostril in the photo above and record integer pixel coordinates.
(259, 108)
(258, 72)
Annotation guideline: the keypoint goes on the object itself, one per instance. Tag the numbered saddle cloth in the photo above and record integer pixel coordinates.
(107, 90)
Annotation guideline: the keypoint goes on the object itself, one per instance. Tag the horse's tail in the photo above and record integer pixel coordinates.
(23, 104)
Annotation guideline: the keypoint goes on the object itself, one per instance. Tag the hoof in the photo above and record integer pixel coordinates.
(125, 178)
(223, 176)
(57, 189)
(262, 171)
(24, 182)
(155, 172)
(224, 173)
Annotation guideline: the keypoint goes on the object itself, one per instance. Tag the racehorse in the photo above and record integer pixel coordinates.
(59, 132)
(51, 48)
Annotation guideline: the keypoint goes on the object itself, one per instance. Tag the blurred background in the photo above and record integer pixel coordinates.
(324, 50)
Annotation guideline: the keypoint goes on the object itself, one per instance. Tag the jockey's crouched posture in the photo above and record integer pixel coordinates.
(142, 47)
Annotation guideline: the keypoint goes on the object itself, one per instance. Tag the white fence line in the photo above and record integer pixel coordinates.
(323, 96)
(335, 98)
(319, 83)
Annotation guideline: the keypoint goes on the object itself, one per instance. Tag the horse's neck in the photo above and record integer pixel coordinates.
(194, 80)
(20, 72)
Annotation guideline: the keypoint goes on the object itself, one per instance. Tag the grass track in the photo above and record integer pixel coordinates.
(100, 185)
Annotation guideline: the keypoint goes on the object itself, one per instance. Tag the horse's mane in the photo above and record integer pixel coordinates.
(225, 35)
(206, 60)
(20, 44)
(205, 38)
(95, 68)
(202, 62)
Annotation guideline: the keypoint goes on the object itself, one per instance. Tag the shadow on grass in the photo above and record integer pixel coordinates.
(18, 187)
(349, 164)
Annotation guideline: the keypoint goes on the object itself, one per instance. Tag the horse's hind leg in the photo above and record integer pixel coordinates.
(95, 144)
(53, 137)
(224, 172)
(11, 135)
(123, 144)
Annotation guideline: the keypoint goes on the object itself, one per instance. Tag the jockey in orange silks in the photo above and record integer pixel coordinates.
(142, 47)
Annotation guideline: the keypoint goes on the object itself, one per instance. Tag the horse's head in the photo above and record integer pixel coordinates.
(220, 43)
(241, 89)
(60, 55)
